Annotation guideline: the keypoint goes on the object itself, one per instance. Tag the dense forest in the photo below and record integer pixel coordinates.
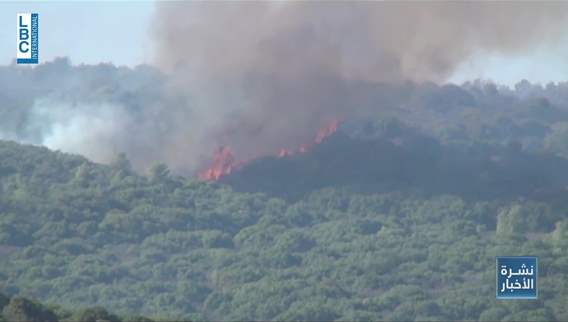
(76, 234)
(397, 216)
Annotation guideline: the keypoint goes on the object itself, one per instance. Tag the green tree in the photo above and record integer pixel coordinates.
(557, 140)
(83, 174)
(517, 220)
(22, 309)
(95, 314)
(158, 172)
(121, 163)
(560, 235)
(4, 300)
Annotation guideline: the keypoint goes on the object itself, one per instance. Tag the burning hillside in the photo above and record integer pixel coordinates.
(224, 161)
(327, 131)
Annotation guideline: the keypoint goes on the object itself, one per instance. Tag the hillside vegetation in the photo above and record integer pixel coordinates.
(360, 243)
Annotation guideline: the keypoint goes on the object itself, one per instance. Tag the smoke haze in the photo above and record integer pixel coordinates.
(258, 76)
(264, 75)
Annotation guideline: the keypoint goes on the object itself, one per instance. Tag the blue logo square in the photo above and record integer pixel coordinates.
(28, 38)
(517, 277)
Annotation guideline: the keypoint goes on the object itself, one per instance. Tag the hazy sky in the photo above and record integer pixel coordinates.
(119, 32)
(88, 32)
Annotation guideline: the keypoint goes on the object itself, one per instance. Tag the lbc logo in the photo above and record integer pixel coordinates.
(28, 38)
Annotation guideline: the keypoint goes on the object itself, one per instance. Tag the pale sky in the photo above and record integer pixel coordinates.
(543, 66)
(85, 31)
(119, 32)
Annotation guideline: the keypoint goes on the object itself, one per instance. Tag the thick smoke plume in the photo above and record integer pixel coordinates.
(267, 75)
(259, 77)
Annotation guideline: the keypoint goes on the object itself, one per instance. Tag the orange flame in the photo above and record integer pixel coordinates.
(327, 131)
(284, 152)
(322, 134)
(223, 164)
(224, 161)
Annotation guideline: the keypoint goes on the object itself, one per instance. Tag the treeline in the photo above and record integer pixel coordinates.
(23, 309)
(95, 110)
(386, 155)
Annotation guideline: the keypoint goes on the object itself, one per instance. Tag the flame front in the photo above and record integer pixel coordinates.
(224, 161)
(327, 131)
(223, 164)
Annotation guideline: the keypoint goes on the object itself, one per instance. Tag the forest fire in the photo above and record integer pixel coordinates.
(327, 131)
(323, 133)
(224, 161)
(284, 152)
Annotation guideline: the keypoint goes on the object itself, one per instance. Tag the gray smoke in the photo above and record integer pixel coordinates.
(264, 75)
(97, 111)
(258, 76)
